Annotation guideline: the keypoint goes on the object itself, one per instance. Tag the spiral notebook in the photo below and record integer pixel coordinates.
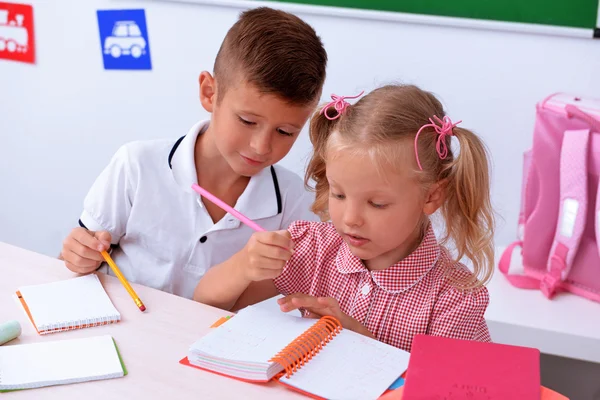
(61, 362)
(70, 304)
(316, 357)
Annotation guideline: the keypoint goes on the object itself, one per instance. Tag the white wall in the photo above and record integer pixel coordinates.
(62, 119)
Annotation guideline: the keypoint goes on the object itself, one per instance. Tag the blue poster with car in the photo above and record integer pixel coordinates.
(124, 39)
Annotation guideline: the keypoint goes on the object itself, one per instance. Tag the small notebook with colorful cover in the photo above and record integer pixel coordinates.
(61, 362)
(70, 304)
(316, 357)
(463, 369)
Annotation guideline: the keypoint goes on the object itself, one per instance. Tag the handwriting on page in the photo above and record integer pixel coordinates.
(351, 366)
(253, 335)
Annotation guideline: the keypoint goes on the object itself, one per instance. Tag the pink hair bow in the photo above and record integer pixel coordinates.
(442, 127)
(340, 105)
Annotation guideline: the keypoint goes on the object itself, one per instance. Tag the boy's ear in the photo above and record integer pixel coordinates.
(435, 197)
(208, 91)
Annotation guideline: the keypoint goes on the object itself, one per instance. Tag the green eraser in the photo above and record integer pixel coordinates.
(9, 330)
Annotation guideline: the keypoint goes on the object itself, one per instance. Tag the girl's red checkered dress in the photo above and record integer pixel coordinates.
(411, 297)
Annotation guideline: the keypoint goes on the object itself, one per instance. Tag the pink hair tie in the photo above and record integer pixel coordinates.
(339, 103)
(443, 127)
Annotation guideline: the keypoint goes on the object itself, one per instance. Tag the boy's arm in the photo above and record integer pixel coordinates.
(108, 204)
(106, 210)
(224, 286)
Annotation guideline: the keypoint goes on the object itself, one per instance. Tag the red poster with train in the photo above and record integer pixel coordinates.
(16, 32)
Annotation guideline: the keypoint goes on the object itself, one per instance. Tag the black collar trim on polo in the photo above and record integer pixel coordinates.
(277, 192)
(172, 152)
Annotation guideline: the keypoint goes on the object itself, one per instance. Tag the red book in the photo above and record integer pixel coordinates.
(452, 369)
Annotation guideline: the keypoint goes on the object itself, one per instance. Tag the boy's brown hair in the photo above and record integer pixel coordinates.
(276, 52)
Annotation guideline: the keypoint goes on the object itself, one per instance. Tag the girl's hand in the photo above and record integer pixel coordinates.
(317, 307)
(265, 255)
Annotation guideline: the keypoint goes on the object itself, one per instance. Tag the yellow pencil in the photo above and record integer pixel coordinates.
(119, 275)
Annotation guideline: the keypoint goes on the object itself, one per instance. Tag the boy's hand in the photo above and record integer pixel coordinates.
(266, 254)
(81, 250)
(317, 307)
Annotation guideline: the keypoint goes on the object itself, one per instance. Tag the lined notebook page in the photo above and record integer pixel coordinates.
(34, 365)
(254, 334)
(71, 302)
(351, 366)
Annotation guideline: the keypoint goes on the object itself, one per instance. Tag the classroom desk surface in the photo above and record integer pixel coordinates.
(567, 325)
(151, 343)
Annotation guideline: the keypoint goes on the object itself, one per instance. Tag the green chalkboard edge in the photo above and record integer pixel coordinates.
(391, 16)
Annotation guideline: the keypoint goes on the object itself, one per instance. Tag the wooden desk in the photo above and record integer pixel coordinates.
(567, 325)
(151, 343)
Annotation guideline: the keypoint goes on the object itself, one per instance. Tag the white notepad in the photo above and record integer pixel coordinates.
(70, 304)
(29, 366)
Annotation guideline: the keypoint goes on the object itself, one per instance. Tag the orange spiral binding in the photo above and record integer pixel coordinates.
(307, 345)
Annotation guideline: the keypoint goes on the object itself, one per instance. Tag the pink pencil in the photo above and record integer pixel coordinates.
(218, 202)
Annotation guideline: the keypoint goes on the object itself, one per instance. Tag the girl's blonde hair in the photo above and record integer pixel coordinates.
(382, 124)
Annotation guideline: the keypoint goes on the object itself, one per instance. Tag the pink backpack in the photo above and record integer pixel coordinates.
(559, 222)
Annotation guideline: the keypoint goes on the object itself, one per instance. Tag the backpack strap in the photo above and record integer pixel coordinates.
(520, 281)
(572, 209)
(525, 177)
(575, 112)
(597, 215)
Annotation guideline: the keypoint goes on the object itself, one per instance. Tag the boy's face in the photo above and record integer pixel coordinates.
(251, 130)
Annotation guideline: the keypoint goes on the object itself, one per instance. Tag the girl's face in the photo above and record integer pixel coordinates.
(378, 211)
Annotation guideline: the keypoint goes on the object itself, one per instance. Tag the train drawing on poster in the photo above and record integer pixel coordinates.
(16, 32)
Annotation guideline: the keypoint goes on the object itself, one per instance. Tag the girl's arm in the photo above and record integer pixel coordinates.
(255, 293)
(460, 314)
(222, 285)
(246, 278)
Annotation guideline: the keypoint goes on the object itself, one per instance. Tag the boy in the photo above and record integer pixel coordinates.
(268, 78)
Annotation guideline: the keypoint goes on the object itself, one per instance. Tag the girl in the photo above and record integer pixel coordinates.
(382, 167)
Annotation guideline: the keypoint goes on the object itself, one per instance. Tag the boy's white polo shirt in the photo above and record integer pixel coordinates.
(165, 237)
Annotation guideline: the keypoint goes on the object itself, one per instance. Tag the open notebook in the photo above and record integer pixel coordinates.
(29, 366)
(316, 357)
(70, 304)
